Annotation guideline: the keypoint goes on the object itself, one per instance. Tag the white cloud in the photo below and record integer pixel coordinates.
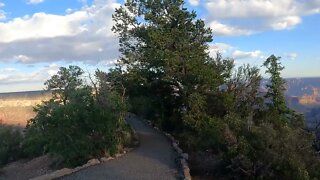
(285, 23)
(14, 76)
(84, 35)
(219, 48)
(35, 1)
(194, 2)
(292, 56)
(69, 10)
(22, 58)
(6, 70)
(224, 9)
(240, 57)
(42, 25)
(251, 16)
(12, 79)
(51, 69)
(220, 29)
(245, 55)
(108, 62)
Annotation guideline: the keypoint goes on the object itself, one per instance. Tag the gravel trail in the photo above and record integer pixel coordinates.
(153, 159)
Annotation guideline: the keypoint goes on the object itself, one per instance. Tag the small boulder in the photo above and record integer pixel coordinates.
(93, 162)
(104, 159)
(118, 155)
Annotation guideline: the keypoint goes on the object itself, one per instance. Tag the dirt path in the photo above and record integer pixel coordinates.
(153, 159)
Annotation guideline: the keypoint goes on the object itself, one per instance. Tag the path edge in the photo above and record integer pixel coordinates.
(92, 162)
(182, 157)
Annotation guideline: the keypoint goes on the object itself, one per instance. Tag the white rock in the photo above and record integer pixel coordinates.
(104, 159)
(110, 158)
(118, 155)
(92, 162)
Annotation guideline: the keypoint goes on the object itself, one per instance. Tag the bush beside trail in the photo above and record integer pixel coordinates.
(11, 138)
(79, 122)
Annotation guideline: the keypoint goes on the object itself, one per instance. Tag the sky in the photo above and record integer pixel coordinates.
(39, 36)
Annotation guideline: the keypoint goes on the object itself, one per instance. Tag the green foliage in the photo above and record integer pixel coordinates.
(75, 124)
(165, 53)
(64, 82)
(210, 105)
(10, 143)
(276, 87)
(244, 89)
(142, 106)
(267, 152)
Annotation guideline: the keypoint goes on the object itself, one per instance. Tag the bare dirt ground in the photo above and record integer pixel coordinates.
(24, 169)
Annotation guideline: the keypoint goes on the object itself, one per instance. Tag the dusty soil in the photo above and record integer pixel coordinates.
(26, 169)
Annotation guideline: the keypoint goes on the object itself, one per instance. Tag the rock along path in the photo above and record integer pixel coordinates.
(153, 159)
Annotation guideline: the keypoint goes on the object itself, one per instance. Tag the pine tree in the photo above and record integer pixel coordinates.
(276, 87)
(166, 48)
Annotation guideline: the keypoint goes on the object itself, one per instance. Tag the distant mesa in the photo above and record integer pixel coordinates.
(309, 100)
(302, 95)
(303, 92)
(17, 107)
(302, 86)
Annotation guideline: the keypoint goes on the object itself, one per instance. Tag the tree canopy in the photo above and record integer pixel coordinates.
(207, 102)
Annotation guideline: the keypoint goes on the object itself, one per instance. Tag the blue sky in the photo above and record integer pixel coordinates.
(39, 36)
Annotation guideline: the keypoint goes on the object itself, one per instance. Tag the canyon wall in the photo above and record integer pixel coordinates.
(17, 108)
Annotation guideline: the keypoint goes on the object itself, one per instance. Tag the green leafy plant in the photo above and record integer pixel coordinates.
(76, 124)
(10, 143)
